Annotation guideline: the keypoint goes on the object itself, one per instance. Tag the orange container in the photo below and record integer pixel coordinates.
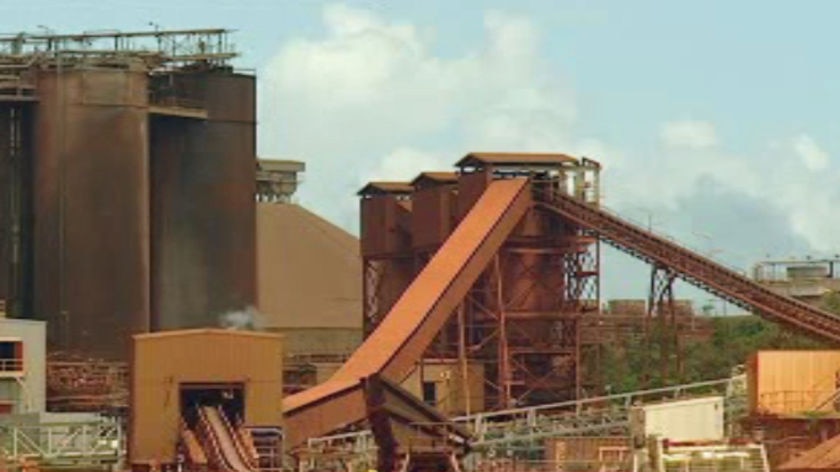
(792, 382)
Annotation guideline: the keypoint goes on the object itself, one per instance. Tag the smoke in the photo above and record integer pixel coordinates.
(248, 319)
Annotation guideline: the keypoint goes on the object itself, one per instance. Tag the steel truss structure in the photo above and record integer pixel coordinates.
(519, 432)
(522, 319)
(59, 445)
(661, 307)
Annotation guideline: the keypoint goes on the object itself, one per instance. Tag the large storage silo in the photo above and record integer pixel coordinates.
(5, 184)
(203, 207)
(91, 193)
(15, 206)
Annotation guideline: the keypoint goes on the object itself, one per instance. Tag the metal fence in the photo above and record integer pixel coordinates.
(58, 445)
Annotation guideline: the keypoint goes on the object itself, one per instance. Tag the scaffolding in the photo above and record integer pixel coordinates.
(159, 49)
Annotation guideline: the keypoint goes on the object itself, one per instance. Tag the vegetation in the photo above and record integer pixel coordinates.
(637, 363)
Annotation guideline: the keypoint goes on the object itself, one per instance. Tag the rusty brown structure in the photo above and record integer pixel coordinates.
(522, 319)
(543, 207)
(127, 169)
(203, 207)
(16, 124)
(91, 244)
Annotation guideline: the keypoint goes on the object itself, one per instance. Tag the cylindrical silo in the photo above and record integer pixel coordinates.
(15, 208)
(203, 202)
(91, 195)
(5, 195)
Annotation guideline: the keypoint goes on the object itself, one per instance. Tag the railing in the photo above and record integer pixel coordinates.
(173, 101)
(11, 365)
(714, 458)
(64, 444)
(16, 86)
(268, 443)
(796, 401)
(612, 407)
(510, 429)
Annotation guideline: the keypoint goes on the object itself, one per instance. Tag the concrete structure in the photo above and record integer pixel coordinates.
(22, 366)
(277, 180)
(810, 280)
(174, 371)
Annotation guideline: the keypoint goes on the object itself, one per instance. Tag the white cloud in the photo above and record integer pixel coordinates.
(370, 96)
(812, 155)
(406, 163)
(688, 134)
(371, 99)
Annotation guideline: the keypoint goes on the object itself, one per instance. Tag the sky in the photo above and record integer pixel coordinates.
(716, 122)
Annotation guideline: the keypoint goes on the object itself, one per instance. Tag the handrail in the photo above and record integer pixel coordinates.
(11, 365)
(579, 404)
(85, 443)
(543, 421)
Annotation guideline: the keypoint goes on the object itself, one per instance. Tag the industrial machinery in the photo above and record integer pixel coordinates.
(500, 197)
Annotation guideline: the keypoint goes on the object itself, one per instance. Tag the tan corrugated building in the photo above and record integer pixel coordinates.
(172, 371)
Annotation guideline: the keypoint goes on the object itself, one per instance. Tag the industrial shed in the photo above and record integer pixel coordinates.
(174, 368)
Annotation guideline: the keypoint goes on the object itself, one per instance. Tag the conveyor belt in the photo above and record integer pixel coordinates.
(225, 440)
(697, 270)
(399, 341)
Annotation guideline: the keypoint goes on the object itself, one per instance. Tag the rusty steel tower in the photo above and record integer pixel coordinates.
(521, 321)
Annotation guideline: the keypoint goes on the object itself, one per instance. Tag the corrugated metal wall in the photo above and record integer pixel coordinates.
(161, 362)
(790, 382)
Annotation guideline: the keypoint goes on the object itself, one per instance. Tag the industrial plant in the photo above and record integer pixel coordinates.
(166, 305)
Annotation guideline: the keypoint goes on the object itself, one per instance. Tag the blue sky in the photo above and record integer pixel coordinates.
(717, 119)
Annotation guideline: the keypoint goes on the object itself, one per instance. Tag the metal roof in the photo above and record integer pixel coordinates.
(281, 165)
(474, 159)
(436, 177)
(205, 331)
(386, 187)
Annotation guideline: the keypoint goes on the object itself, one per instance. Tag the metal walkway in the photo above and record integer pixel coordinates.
(524, 428)
(60, 445)
(700, 271)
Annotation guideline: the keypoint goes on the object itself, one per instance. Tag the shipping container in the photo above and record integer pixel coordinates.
(698, 419)
(792, 382)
